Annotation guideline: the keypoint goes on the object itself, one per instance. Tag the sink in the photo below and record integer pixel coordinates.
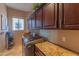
(35, 42)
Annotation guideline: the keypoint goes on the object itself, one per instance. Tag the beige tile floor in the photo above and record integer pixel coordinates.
(15, 51)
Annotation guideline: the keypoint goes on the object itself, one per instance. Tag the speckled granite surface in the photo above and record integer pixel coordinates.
(50, 49)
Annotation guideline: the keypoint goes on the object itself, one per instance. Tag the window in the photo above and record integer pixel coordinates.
(17, 24)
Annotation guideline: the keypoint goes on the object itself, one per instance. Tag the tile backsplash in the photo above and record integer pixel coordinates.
(66, 38)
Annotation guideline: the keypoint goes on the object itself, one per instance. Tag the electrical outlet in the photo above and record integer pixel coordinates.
(64, 39)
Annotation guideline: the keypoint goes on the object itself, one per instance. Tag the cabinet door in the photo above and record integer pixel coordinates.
(38, 52)
(39, 19)
(50, 16)
(29, 23)
(33, 21)
(70, 15)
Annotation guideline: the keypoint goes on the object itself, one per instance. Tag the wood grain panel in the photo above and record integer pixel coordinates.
(70, 15)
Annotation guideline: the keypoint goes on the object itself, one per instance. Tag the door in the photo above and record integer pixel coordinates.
(39, 18)
(50, 16)
(1, 22)
(70, 15)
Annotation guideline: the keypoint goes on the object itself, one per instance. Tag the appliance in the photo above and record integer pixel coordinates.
(9, 40)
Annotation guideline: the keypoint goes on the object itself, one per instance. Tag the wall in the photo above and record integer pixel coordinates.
(17, 34)
(72, 39)
(66, 38)
(3, 10)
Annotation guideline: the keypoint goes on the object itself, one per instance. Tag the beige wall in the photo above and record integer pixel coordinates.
(72, 39)
(3, 10)
(65, 38)
(17, 13)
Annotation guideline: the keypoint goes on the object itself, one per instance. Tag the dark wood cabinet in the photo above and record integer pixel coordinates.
(33, 21)
(56, 16)
(29, 23)
(39, 18)
(38, 52)
(69, 15)
(45, 17)
(50, 16)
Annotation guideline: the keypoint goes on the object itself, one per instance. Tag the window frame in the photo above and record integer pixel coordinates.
(18, 23)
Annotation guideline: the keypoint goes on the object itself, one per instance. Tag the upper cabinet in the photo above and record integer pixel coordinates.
(29, 23)
(45, 17)
(50, 16)
(39, 18)
(33, 21)
(56, 16)
(69, 15)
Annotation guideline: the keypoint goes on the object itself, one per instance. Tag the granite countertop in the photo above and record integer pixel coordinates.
(50, 49)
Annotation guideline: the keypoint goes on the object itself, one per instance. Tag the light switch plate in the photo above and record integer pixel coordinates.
(64, 39)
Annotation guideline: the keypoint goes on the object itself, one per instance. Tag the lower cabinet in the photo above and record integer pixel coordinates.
(38, 52)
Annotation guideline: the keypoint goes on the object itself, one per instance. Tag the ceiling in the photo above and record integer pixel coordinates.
(20, 6)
